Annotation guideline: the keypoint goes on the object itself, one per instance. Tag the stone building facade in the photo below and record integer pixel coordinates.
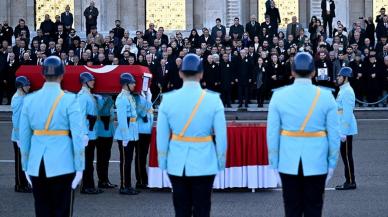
(198, 13)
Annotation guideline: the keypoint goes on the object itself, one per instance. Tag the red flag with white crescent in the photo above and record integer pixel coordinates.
(107, 77)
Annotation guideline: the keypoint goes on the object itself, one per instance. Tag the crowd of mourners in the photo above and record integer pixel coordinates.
(244, 63)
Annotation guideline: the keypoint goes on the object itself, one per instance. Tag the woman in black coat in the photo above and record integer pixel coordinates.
(194, 38)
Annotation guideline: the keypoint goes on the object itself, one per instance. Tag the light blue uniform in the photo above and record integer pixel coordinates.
(127, 130)
(288, 109)
(105, 108)
(144, 109)
(346, 102)
(195, 158)
(61, 154)
(88, 106)
(16, 106)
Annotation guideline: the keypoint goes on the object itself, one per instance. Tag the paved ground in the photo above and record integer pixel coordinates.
(370, 199)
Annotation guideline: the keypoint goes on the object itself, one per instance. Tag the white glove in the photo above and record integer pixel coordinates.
(85, 140)
(77, 179)
(28, 178)
(343, 138)
(329, 175)
(278, 179)
(18, 143)
(125, 143)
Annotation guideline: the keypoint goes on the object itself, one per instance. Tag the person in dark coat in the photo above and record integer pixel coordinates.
(260, 78)
(276, 72)
(118, 31)
(218, 27)
(19, 28)
(227, 75)
(9, 76)
(245, 77)
(236, 30)
(150, 34)
(253, 28)
(373, 71)
(358, 81)
(6, 32)
(47, 26)
(328, 13)
(274, 15)
(370, 30)
(211, 75)
(324, 75)
(174, 81)
(194, 39)
(91, 14)
(67, 19)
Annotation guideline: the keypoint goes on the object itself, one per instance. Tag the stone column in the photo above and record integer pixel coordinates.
(198, 14)
(213, 10)
(189, 14)
(5, 11)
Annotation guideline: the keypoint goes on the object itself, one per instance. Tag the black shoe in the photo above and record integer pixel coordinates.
(246, 106)
(141, 186)
(229, 106)
(91, 191)
(346, 186)
(128, 191)
(260, 105)
(106, 185)
(23, 189)
(240, 106)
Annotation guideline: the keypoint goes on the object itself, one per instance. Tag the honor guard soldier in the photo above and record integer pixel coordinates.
(23, 86)
(346, 101)
(105, 132)
(52, 143)
(187, 119)
(127, 134)
(89, 111)
(303, 140)
(145, 122)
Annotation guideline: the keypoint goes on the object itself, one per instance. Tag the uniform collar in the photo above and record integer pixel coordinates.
(347, 84)
(302, 81)
(126, 92)
(51, 85)
(86, 89)
(191, 84)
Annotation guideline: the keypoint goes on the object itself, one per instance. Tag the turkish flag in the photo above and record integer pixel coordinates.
(107, 77)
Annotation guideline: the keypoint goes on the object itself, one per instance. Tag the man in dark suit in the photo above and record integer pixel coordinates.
(10, 68)
(91, 14)
(244, 78)
(6, 32)
(328, 13)
(274, 15)
(67, 18)
(150, 34)
(253, 28)
(20, 27)
(47, 26)
(118, 31)
(237, 30)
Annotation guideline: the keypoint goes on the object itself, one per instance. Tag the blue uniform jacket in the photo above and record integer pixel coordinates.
(16, 106)
(144, 109)
(61, 154)
(195, 158)
(288, 109)
(126, 109)
(105, 108)
(88, 106)
(346, 101)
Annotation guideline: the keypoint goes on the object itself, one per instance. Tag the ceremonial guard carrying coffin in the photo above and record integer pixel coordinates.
(127, 132)
(89, 111)
(105, 132)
